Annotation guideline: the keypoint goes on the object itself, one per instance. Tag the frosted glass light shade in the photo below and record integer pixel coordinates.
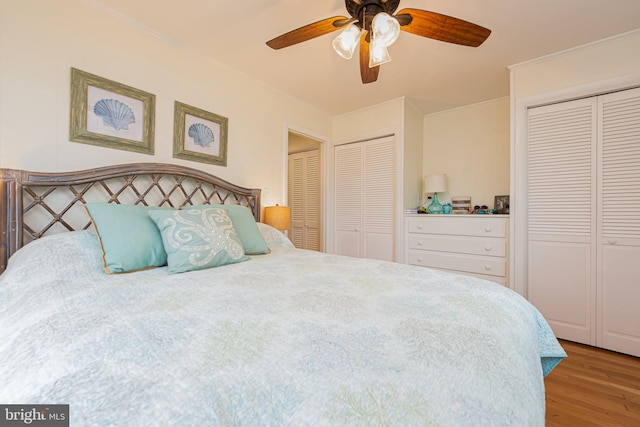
(378, 54)
(386, 29)
(346, 42)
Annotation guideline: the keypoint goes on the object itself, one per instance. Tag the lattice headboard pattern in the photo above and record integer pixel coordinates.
(35, 204)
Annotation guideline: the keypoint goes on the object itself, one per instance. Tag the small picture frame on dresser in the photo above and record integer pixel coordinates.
(501, 204)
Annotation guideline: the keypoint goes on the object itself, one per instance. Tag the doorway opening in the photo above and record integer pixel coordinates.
(305, 190)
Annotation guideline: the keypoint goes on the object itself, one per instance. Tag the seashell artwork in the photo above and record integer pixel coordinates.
(202, 134)
(114, 113)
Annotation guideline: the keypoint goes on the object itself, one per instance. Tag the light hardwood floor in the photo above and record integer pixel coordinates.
(593, 387)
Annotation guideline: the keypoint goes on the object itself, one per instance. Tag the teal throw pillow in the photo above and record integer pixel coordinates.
(245, 225)
(195, 239)
(129, 239)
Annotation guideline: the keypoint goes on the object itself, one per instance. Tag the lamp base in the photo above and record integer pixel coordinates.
(435, 207)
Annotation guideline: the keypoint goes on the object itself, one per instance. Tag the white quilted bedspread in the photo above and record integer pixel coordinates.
(292, 338)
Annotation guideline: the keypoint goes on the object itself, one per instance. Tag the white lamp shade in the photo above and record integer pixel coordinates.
(347, 41)
(386, 29)
(435, 183)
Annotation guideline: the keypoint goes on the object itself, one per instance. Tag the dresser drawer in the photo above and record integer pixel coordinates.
(485, 265)
(491, 246)
(496, 279)
(468, 225)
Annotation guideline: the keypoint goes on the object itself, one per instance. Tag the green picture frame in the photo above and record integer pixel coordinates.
(109, 114)
(199, 135)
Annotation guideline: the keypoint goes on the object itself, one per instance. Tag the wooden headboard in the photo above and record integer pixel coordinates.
(34, 204)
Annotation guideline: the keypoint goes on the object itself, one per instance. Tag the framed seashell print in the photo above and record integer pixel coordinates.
(110, 114)
(199, 135)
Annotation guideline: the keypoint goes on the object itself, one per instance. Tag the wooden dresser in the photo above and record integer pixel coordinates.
(475, 245)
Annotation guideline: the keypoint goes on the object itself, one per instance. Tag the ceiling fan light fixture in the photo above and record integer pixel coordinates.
(385, 28)
(378, 54)
(375, 25)
(346, 42)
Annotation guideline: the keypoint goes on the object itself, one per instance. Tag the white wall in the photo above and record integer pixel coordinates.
(413, 149)
(607, 59)
(372, 121)
(470, 145)
(40, 40)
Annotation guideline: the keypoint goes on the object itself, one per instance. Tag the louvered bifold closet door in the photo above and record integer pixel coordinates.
(619, 222)
(348, 194)
(304, 199)
(296, 199)
(312, 210)
(379, 199)
(561, 208)
(365, 199)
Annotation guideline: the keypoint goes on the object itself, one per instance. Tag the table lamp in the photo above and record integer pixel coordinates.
(279, 217)
(435, 184)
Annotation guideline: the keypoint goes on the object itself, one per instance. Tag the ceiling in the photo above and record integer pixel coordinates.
(435, 75)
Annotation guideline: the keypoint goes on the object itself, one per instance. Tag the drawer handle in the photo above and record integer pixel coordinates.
(419, 242)
(419, 226)
(488, 229)
(613, 241)
(420, 259)
(488, 248)
(487, 267)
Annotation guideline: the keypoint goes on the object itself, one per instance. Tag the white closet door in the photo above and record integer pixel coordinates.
(561, 226)
(348, 199)
(365, 175)
(379, 199)
(619, 222)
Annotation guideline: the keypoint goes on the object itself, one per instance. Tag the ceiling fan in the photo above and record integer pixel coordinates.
(374, 26)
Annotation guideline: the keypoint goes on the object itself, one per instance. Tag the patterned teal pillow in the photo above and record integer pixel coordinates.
(245, 225)
(129, 239)
(196, 239)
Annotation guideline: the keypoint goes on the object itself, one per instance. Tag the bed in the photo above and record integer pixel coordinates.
(275, 337)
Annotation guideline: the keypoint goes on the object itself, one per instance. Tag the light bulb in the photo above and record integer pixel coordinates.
(386, 29)
(347, 41)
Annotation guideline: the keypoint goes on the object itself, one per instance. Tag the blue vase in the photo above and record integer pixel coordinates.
(435, 207)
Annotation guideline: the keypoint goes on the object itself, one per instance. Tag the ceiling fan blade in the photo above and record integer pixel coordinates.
(368, 75)
(308, 32)
(442, 27)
